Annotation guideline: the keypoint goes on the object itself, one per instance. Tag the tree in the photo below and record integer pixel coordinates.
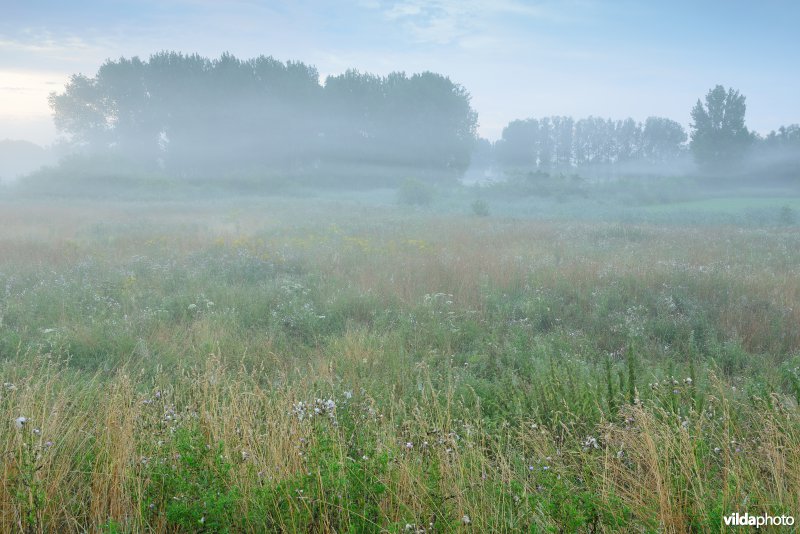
(719, 136)
(662, 139)
(200, 117)
(518, 144)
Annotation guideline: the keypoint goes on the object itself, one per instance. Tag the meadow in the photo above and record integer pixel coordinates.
(275, 364)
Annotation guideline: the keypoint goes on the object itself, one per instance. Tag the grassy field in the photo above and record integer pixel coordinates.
(310, 365)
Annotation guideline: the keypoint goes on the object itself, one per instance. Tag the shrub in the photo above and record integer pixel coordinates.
(413, 192)
(480, 208)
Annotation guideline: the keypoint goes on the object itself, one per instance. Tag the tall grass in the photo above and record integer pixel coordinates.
(286, 366)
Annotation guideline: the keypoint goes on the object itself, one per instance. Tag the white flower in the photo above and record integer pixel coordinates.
(590, 443)
(466, 520)
(20, 421)
(409, 445)
(348, 394)
(192, 307)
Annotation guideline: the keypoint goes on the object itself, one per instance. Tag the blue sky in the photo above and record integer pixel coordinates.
(517, 58)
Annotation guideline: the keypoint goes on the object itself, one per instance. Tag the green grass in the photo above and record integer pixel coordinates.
(303, 364)
(728, 205)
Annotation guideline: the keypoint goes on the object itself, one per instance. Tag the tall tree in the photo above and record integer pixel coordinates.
(202, 117)
(662, 139)
(719, 135)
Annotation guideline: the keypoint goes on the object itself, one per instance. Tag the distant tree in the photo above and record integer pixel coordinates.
(518, 145)
(719, 135)
(482, 152)
(563, 143)
(563, 138)
(200, 117)
(662, 139)
(627, 140)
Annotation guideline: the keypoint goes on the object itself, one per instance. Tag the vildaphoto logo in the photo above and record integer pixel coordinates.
(746, 520)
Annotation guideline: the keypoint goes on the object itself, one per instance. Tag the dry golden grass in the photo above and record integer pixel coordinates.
(101, 435)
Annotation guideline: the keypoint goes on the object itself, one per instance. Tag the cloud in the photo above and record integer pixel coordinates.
(443, 22)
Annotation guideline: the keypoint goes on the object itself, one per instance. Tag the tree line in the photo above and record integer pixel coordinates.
(195, 116)
(719, 141)
(562, 142)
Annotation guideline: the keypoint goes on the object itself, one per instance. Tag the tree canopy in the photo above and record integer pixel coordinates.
(719, 135)
(551, 143)
(195, 116)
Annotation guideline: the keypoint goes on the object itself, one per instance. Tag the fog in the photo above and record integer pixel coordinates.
(399, 266)
(266, 124)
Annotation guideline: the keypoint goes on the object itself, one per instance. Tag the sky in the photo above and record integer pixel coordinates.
(517, 58)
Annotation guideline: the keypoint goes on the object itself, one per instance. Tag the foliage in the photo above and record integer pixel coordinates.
(191, 488)
(290, 365)
(197, 117)
(413, 192)
(719, 135)
(480, 207)
(562, 143)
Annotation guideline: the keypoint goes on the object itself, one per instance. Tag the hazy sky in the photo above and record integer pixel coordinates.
(517, 58)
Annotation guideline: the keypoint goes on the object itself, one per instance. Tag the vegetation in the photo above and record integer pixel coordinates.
(305, 365)
(719, 136)
(563, 143)
(195, 117)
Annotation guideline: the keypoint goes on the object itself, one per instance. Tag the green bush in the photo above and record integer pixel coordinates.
(480, 208)
(413, 192)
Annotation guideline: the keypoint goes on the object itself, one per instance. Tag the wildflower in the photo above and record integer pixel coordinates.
(687, 381)
(717, 450)
(590, 443)
(245, 456)
(36, 431)
(620, 454)
(192, 307)
(20, 421)
(348, 395)
(466, 520)
(409, 445)
(48, 444)
(530, 468)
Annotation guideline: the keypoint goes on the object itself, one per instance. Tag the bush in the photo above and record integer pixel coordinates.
(480, 208)
(413, 192)
(787, 216)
